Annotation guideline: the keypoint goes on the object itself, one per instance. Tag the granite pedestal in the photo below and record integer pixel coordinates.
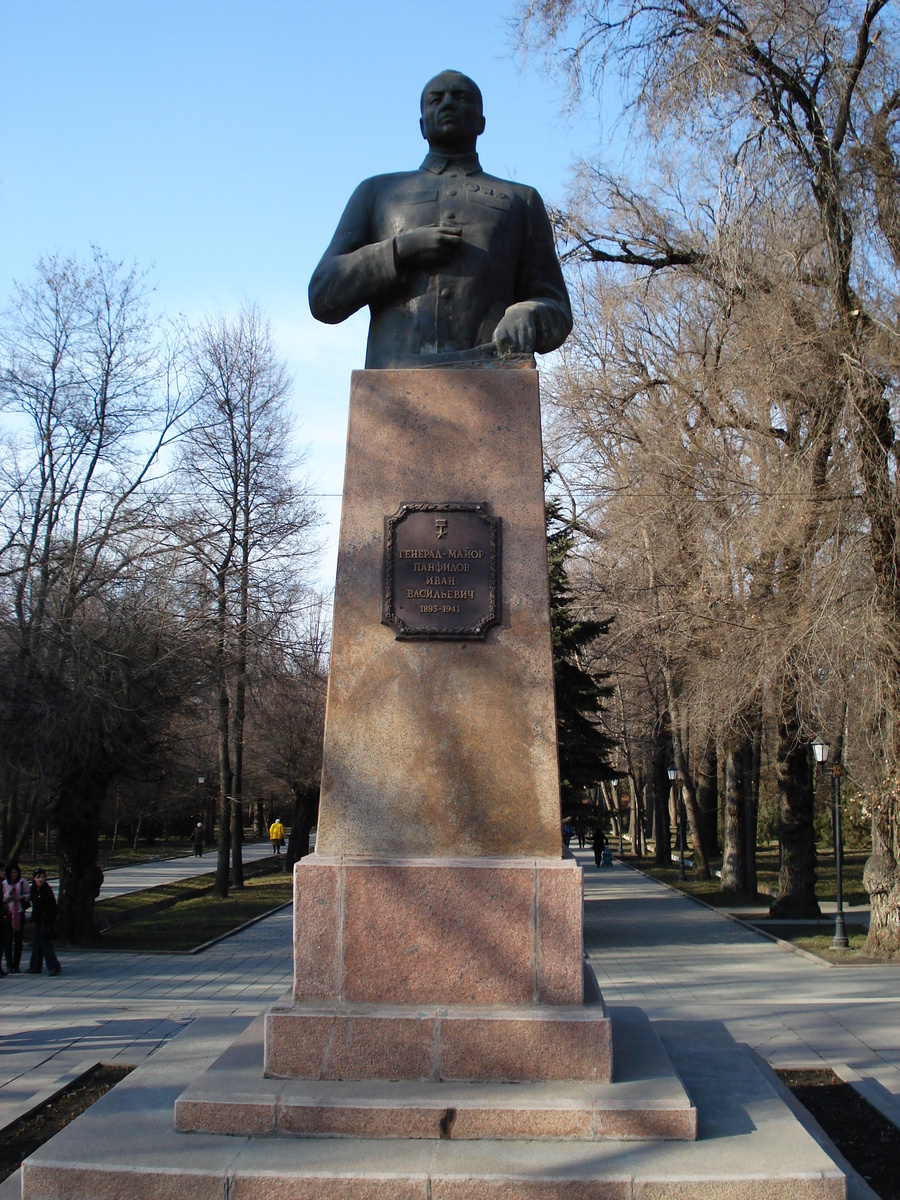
(437, 928)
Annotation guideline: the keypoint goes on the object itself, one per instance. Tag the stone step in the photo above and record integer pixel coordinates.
(646, 1101)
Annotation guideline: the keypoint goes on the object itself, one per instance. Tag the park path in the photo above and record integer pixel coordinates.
(650, 946)
(118, 881)
(679, 960)
(110, 1006)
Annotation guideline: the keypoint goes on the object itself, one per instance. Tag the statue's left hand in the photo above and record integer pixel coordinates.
(517, 331)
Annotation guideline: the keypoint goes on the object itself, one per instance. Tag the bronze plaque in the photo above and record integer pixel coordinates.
(441, 571)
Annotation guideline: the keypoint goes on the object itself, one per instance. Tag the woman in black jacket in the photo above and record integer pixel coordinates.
(43, 914)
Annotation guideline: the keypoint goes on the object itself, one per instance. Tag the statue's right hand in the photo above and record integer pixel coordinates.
(429, 246)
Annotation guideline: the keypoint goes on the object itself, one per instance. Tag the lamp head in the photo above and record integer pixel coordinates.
(820, 749)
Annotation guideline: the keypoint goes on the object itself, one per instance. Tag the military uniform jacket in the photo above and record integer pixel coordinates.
(507, 257)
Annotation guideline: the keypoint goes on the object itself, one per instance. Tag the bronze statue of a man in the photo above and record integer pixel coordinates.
(454, 264)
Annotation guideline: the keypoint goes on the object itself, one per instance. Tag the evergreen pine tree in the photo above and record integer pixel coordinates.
(581, 691)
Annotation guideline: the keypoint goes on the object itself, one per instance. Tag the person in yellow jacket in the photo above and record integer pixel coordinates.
(276, 836)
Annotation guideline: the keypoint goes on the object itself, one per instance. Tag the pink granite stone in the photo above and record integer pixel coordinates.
(349, 1046)
(529, 1047)
(441, 747)
(645, 1124)
(442, 934)
(371, 1121)
(297, 1044)
(260, 1186)
(569, 1122)
(253, 1116)
(560, 973)
(475, 1188)
(756, 1187)
(142, 1183)
(317, 929)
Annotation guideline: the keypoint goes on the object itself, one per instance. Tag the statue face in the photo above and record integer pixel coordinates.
(451, 113)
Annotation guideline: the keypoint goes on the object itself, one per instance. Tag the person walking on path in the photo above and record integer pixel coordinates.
(43, 914)
(197, 838)
(276, 836)
(599, 846)
(15, 902)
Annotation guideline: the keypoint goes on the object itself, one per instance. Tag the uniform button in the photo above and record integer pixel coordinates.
(451, 216)
(446, 293)
(452, 193)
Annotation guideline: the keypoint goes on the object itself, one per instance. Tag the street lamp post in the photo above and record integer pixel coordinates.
(820, 751)
(673, 776)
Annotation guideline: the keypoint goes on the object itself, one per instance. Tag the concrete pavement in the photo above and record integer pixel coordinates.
(110, 1006)
(681, 961)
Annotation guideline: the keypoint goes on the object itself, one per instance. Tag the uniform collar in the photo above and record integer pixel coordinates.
(438, 163)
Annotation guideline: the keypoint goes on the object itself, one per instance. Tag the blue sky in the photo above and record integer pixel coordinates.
(216, 144)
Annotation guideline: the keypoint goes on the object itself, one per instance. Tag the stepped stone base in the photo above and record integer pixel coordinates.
(750, 1147)
(447, 969)
(320, 1041)
(646, 1101)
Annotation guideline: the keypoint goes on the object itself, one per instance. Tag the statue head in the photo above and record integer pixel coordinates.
(452, 113)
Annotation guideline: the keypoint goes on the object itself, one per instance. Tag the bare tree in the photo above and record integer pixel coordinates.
(790, 108)
(89, 397)
(290, 706)
(248, 519)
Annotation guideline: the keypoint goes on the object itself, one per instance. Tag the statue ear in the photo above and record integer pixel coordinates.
(422, 128)
(481, 130)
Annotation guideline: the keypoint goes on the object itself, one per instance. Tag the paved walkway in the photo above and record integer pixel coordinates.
(679, 960)
(120, 880)
(110, 1006)
(649, 945)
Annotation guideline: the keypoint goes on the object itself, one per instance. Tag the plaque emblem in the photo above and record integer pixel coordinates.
(441, 571)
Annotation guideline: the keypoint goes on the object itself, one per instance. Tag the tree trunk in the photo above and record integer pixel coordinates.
(797, 877)
(663, 829)
(734, 863)
(208, 803)
(27, 825)
(637, 819)
(751, 813)
(78, 810)
(708, 798)
(225, 777)
(240, 691)
(306, 811)
(881, 879)
(688, 794)
(610, 803)
(881, 876)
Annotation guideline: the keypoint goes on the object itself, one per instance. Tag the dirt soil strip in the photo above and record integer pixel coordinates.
(866, 1138)
(24, 1136)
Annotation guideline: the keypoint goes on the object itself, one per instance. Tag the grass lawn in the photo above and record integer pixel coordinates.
(710, 890)
(816, 940)
(193, 915)
(819, 943)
